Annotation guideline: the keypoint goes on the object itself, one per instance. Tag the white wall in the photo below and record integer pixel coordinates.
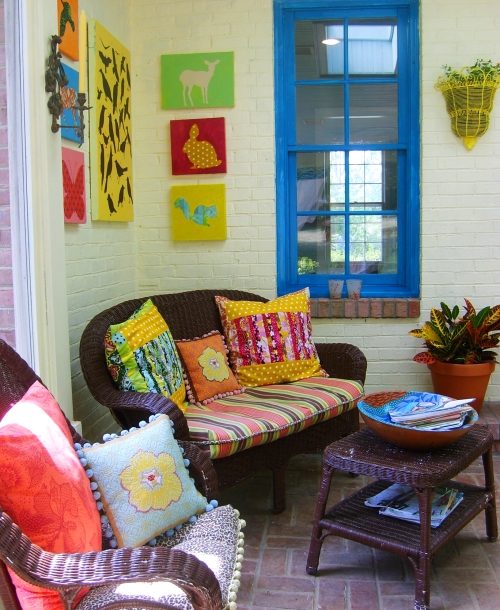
(460, 189)
(101, 257)
(110, 262)
(246, 260)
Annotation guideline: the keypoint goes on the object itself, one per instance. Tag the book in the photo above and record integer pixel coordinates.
(401, 502)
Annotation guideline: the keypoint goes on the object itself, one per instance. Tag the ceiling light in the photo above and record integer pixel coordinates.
(330, 41)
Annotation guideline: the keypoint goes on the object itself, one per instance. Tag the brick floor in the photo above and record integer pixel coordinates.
(465, 573)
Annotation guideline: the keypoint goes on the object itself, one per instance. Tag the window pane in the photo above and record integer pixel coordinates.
(313, 57)
(373, 180)
(321, 244)
(337, 181)
(373, 113)
(373, 244)
(320, 114)
(320, 181)
(372, 47)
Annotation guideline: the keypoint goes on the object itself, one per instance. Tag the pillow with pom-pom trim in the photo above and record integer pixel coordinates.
(206, 369)
(143, 483)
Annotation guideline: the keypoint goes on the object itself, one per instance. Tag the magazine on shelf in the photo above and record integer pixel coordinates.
(401, 501)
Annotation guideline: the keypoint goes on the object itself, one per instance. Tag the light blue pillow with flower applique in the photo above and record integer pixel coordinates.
(142, 481)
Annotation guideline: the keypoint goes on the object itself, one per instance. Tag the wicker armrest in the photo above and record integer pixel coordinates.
(202, 471)
(342, 360)
(67, 573)
(129, 405)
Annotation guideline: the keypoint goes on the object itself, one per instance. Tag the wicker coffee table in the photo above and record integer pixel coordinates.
(365, 453)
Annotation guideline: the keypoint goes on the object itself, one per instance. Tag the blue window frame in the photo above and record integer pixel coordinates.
(348, 145)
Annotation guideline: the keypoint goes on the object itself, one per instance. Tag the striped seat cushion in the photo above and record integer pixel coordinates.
(264, 414)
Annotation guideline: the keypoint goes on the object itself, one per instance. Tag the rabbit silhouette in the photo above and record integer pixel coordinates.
(201, 153)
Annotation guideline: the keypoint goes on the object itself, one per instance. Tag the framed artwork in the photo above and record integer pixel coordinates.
(198, 212)
(198, 146)
(69, 96)
(73, 171)
(111, 127)
(197, 80)
(67, 27)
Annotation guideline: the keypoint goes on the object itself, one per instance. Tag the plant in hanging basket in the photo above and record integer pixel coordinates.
(469, 95)
(459, 340)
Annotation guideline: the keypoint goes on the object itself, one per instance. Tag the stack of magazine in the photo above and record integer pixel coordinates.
(425, 411)
(401, 501)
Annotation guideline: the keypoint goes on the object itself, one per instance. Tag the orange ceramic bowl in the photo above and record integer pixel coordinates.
(374, 411)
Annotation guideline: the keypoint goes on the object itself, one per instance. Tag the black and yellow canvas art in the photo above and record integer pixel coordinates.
(110, 127)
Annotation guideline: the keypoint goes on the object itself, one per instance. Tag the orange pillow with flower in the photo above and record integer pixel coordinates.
(206, 369)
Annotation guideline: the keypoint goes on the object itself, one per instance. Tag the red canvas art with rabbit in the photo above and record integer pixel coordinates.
(198, 146)
(73, 170)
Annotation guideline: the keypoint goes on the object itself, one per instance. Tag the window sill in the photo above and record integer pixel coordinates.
(365, 308)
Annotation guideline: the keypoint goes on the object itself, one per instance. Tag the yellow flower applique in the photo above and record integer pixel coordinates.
(151, 481)
(213, 365)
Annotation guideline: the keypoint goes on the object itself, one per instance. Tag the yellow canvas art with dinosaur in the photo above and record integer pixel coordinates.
(198, 212)
(111, 127)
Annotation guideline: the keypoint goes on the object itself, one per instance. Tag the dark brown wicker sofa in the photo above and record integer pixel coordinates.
(193, 314)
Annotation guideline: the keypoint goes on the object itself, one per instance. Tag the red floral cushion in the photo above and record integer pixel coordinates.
(44, 488)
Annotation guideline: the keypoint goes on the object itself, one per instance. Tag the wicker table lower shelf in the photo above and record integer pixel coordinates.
(365, 453)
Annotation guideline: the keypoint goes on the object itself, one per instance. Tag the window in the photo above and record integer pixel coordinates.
(347, 145)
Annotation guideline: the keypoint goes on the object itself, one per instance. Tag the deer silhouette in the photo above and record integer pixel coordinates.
(200, 78)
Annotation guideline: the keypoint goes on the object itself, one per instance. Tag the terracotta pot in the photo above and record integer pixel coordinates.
(462, 380)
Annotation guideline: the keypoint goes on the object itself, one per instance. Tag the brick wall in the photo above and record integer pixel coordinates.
(6, 291)
(101, 257)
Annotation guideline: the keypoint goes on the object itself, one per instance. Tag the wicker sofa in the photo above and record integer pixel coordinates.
(193, 314)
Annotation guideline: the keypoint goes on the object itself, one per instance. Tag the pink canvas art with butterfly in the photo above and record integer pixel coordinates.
(73, 170)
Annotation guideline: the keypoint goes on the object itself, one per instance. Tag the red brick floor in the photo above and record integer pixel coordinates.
(465, 573)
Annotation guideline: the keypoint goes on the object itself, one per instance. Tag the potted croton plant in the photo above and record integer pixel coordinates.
(459, 352)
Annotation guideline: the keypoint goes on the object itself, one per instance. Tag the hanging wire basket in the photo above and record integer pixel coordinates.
(469, 96)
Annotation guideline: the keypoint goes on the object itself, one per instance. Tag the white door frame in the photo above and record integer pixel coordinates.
(35, 174)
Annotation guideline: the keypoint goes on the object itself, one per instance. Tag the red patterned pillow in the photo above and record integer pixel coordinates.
(44, 488)
(206, 369)
(270, 342)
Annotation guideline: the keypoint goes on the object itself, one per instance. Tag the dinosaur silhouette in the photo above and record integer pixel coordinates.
(201, 213)
(66, 18)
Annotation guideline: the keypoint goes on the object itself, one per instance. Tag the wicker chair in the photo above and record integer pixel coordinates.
(102, 571)
(193, 314)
